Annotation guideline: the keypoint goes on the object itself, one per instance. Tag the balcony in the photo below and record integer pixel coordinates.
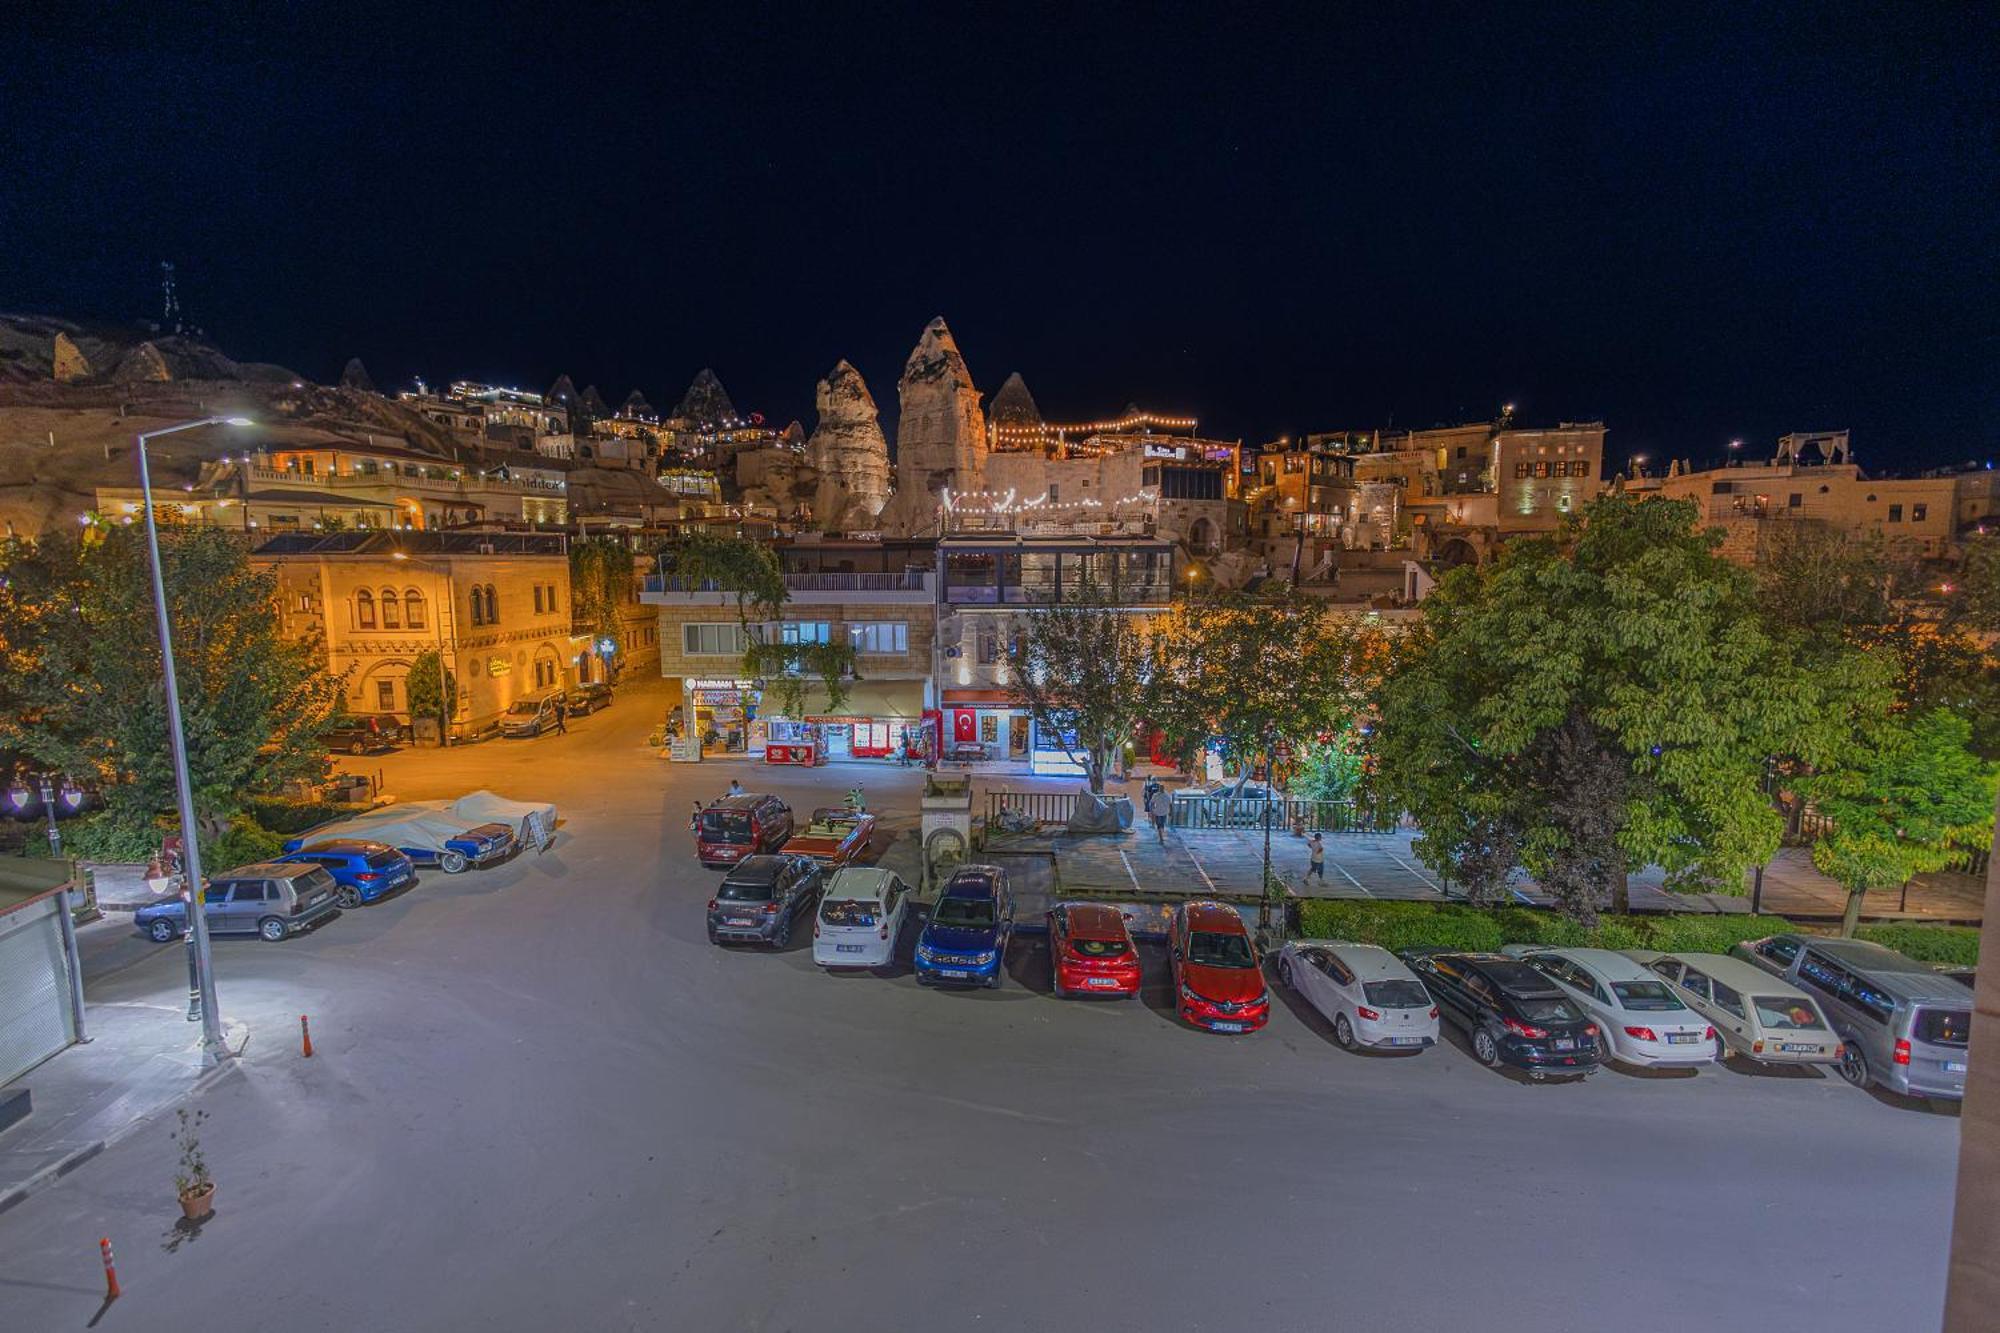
(910, 586)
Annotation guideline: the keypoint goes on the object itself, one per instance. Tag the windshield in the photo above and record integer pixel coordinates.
(848, 912)
(744, 891)
(1211, 949)
(1645, 995)
(1942, 1027)
(964, 912)
(1792, 1015)
(1097, 948)
(725, 826)
(1548, 1011)
(526, 708)
(1397, 994)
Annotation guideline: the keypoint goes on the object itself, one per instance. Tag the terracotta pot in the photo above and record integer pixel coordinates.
(196, 1203)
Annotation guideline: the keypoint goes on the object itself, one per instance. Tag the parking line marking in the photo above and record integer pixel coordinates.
(1199, 868)
(1350, 879)
(1128, 870)
(1414, 871)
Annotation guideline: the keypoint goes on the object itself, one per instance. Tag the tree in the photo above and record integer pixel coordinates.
(1078, 668)
(1911, 798)
(427, 670)
(1328, 767)
(81, 687)
(749, 572)
(600, 582)
(1601, 699)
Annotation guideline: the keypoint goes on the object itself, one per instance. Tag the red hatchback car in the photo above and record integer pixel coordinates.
(1091, 951)
(1218, 982)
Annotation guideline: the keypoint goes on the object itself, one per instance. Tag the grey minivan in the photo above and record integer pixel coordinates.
(1902, 1025)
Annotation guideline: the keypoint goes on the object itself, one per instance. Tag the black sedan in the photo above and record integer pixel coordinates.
(761, 898)
(1513, 1014)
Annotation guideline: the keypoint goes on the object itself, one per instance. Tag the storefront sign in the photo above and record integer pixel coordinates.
(711, 698)
(721, 684)
(499, 666)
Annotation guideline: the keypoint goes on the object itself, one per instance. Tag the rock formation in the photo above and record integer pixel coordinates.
(940, 432)
(144, 363)
(849, 454)
(1013, 413)
(562, 393)
(706, 402)
(355, 376)
(637, 408)
(593, 404)
(71, 364)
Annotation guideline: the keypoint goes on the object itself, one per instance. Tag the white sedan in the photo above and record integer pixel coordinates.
(861, 914)
(1640, 1019)
(1372, 1000)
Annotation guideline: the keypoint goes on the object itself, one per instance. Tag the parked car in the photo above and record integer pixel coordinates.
(1900, 1023)
(363, 872)
(1372, 1000)
(965, 941)
(727, 830)
(589, 697)
(1218, 978)
(1091, 951)
(270, 898)
(427, 837)
(1754, 1014)
(531, 717)
(1640, 1021)
(761, 898)
(835, 836)
(365, 733)
(861, 915)
(1513, 1014)
(1226, 806)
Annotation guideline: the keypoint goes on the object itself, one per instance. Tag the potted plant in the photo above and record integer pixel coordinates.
(197, 1191)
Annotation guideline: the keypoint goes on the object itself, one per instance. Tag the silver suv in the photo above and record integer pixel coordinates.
(1902, 1025)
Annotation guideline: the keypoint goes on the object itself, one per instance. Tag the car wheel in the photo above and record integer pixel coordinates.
(452, 862)
(162, 930)
(271, 929)
(1343, 1032)
(1486, 1048)
(348, 897)
(1853, 1065)
(782, 936)
(1285, 973)
(1721, 1050)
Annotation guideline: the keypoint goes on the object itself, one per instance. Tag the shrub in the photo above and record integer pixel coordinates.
(105, 836)
(243, 842)
(1399, 925)
(1928, 944)
(288, 817)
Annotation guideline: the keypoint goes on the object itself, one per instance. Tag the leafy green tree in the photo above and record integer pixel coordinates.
(427, 670)
(600, 582)
(1599, 700)
(81, 686)
(1907, 801)
(1078, 668)
(1328, 767)
(749, 572)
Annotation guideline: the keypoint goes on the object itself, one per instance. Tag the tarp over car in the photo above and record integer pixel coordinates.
(423, 825)
(534, 822)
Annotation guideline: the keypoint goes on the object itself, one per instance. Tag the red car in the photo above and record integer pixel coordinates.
(1218, 980)
(1091, 951)
(835, 837)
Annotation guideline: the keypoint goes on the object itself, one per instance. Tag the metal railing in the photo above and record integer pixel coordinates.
(1042, 807)
(1247, 812)
(912, 580)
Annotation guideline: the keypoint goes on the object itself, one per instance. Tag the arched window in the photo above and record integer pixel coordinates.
(392, 610)
(478, 606)
(492, 606)
(364, 609)
(413, 608)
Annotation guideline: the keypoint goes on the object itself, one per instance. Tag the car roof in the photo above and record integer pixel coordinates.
(357, 846)
(266, 870)
(1368, 962)
(1511, 974)
(860, 882)
(973, 881)
(1213, 916)
(1734, 972)
(1893, 971)
(748, 800)
(1606, 964)
(757, 869)
(1095, 921)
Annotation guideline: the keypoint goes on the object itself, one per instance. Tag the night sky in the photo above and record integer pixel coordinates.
(1695, 224)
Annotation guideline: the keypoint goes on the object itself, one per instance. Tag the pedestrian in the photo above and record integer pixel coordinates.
(735, 787)
(1318, 866)
(562, 716)
(1159, 805)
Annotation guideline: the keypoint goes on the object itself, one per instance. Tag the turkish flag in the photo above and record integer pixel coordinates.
(964, 727)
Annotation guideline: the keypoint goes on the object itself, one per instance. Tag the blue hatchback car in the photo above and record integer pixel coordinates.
(364, 871)
(965, 941)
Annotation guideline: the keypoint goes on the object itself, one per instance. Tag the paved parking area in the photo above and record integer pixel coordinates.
(541, 1099)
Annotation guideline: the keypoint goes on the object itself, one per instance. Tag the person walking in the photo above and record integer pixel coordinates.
(1159, 805)
(735, 787)
(1318, 864)
(562, 716)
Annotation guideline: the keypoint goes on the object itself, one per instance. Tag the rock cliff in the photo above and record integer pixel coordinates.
(848, 453)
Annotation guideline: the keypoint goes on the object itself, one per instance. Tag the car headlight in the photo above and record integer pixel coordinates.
(1187, 994)
(983, 956)
(925, 952)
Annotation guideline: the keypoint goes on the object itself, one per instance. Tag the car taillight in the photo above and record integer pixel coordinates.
(1757, 1046)
(367, 877)
(1434, 1011)
(1902, 1056)
(770, 909)
(1643, 1034)
(1590, 1029)
(713, 905)
(883, 931)
(1709, 1035)
(1366, 1013)
(1520, 1029)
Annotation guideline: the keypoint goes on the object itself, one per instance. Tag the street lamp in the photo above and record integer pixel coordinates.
(211, 1013)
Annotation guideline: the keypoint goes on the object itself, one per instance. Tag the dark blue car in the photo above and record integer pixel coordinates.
(364, 871)
(478, 846)
(965, 941)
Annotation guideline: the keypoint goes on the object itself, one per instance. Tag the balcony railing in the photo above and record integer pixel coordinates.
(911, 580)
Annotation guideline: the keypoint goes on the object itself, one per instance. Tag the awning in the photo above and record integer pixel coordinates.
(865, 698)
(964, 697)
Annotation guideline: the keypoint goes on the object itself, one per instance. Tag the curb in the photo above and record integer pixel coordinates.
(54, 1171)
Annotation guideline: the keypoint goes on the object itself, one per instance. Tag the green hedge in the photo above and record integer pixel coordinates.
(100, 837)
(288, 817)
(1396, 925)
(1928, 944)
(241, 843)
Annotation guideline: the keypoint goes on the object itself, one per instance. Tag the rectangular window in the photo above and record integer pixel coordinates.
(879, 637)
(805, 631)
(1794, 500)
(713, 640)
(989, 647)
(1520, 469)
(1895, 513)
(385, 695)
(538, 599)
(1918, 512)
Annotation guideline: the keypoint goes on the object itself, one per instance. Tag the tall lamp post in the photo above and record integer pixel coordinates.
(211, 1013)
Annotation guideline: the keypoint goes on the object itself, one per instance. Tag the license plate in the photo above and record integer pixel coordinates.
(952, 972)
(849, 948)
(1954, 1066)
(1564, 1043)
(1682, 1038)
(736, 921)
(1227, 1027)
(1101, 981)
(1799, 1048)
(1405, 1041)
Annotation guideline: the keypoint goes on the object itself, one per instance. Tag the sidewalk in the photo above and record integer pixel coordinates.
(142, 1059)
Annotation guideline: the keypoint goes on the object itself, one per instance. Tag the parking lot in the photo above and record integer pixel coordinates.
(540, 1098)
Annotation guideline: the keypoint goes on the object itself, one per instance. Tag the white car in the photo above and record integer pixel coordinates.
(1372, 1000)
(1639, 1018)
(861, 914)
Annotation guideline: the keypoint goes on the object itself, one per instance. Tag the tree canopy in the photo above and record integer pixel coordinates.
(749, 571)
(1078, 667)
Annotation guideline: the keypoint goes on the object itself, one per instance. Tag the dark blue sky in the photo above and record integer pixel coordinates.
(1694, 223)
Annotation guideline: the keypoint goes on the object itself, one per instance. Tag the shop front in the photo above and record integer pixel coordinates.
(724, 714)
(984, 725)
(873, 720)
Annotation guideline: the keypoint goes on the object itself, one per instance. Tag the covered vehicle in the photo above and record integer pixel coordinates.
(835, 836)
(534, 822)
(428, 836)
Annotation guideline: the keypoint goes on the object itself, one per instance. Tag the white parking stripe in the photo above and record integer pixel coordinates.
(1349, 878)
(1414, 871)
(1199, 868)
(1128, 869)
